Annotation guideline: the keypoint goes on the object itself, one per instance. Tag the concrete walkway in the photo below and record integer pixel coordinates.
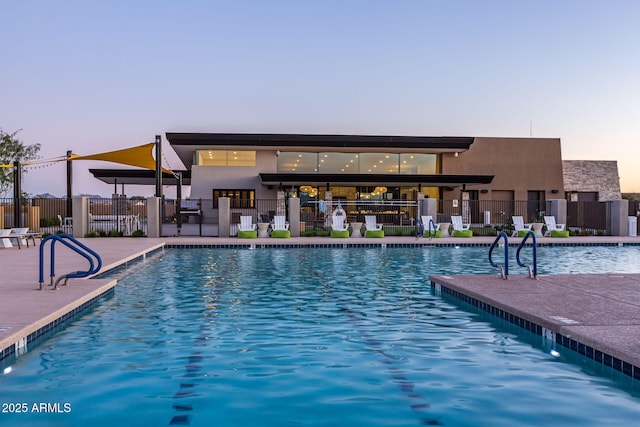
(26, 312)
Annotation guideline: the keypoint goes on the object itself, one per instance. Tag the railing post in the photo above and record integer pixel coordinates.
(294, 216)
(224, 217)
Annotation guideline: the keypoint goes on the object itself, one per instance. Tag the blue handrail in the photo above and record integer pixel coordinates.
(533, 270)
(431, 223)
(504, 270)
(79, 248)
(431, 228)
(419, 228)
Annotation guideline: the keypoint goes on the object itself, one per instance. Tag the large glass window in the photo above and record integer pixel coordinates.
(378, 163)
(225, 158)
(418, 164)
(294, 162)
(338, 163)
(358, 163)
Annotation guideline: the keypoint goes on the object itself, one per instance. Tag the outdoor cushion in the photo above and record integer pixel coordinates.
(462, 233)
(559, 233)
(434, 233)
(374, 233)
(281, 234)
(340, 233)
(522, 233)
(247, 234)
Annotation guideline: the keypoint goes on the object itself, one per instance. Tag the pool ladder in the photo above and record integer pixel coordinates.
(504, 269)
(430, 227)
(75, 246)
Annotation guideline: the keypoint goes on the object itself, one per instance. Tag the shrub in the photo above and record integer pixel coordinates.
(137, 233)
(92, 234)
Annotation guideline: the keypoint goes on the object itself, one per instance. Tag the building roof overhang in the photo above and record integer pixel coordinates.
(374, 179)
(184, 144)
(138, 176)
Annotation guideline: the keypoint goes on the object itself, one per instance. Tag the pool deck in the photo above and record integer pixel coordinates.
(576, 311)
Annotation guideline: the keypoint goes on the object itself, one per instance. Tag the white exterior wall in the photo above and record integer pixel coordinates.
(205, 178)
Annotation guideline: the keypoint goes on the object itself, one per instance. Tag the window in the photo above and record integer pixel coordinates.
(225, 158)
(357, 163)
(239, 198)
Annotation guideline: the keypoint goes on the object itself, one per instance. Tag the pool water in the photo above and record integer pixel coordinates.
(313, 337)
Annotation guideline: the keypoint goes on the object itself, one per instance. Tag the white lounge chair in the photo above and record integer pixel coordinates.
(459, 228)
(371, 223)
(22, 235)
(339, 228)
(280, 227)
(4, 241)
(427, 221)
(246, 224)
(66, 224)
(456, 222)
(247, 228)
(339, 224)
(373, 229)
(519, 225)
(550, 222)
(280, 223)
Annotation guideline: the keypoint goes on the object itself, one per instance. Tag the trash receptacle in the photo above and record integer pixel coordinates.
(633, 226)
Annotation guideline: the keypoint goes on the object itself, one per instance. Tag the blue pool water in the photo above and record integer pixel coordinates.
(313, 337)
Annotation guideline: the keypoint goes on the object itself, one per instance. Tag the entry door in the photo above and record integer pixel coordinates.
(535, 204)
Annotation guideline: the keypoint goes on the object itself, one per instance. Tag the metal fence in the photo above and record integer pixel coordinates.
(113, 216)
(199, 217)
(39, 214)
(587, 218)
(117, 216)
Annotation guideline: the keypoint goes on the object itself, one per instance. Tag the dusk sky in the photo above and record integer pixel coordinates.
(93, 76)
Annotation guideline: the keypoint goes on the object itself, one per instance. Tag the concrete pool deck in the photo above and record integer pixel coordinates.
(574, 310)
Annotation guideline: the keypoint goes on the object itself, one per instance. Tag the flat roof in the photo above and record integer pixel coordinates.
(138, 176)
(184, 144)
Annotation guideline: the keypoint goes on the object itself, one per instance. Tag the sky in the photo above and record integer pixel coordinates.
(94, 76)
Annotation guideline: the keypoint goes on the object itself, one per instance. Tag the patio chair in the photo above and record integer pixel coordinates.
(4, 241)
(247, 229)
(459, 228)
(339, 228)
(280, 227)
(553, 229)
(66, 224)
(428, 223)
(373, 229)
(22, 236)
(519, 227)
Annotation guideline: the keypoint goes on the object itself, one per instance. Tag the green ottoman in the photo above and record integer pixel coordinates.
(463, 233)
(281, 234)
(436, 233)
(559, 233)
(247, 234)
(340, 233)
(374, 233)
(522, 233)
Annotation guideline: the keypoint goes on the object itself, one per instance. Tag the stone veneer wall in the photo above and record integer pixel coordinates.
(592, 175)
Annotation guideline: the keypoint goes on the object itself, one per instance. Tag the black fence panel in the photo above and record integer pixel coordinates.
(588, 218)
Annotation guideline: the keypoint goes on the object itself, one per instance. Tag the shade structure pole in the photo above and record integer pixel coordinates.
(69, 185)
(179, 202)
(158, 166)
(17, 192)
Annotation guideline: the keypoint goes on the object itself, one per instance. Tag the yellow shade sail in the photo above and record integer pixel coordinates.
(140, 156)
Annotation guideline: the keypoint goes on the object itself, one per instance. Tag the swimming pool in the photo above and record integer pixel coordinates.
(313, 337)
